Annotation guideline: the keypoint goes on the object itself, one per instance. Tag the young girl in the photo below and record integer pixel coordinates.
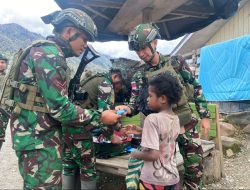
(159, 135)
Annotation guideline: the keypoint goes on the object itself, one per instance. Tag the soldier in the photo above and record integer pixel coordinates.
(42, 104)
(3, 119)
(143, 40)
(78, 153)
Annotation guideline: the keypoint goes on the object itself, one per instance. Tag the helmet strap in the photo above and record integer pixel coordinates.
(64, 44)
(153, 53)
(74, 37)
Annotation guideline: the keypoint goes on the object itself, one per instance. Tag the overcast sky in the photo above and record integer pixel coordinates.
(27, 13)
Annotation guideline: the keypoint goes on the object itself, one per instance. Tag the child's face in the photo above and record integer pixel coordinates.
(3, 65)
(154, 102)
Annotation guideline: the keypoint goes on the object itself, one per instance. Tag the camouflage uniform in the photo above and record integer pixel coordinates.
(36, 135)
(189, 143)
(190, 139)
(3, 119)
(41, 100)
(78, 149)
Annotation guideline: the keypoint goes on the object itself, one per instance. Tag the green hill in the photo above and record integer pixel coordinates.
(13, 37)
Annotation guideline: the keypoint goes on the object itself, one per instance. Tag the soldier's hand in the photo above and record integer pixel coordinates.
(204, 124)
(133, 129)
(135, 154)
(115, 139)
(109, 117)
(123, 131)
(123, 107)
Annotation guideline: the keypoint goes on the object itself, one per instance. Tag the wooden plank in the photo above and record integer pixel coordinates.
(119, 165)
(128, 12)
(189, 15)
(125, 20)
(246, 18)
(218, 144)
(115, 162)
(172, 19)
(97, 13)
(147, 14)
(104, 4)
(111, 170)
(160, 9)
(241, 22)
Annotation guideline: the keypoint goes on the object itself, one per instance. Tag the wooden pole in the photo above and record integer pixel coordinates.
(147, 15)
(218, 144)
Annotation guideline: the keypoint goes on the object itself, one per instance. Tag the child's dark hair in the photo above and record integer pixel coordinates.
(168, 85)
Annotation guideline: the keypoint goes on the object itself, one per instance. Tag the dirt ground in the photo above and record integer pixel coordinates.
(9, 173)
(236, 169)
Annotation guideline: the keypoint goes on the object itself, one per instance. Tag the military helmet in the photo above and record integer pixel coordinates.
(142, 35)
(73, 17)
(2, 57)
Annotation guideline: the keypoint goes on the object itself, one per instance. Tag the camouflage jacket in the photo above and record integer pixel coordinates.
(3, 119)
(102, 94)
(199, 98)
(45, 67)
(106, 94)
(2, 74)
(138, 81)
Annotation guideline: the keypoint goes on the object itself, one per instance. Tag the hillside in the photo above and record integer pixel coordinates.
(13, 37)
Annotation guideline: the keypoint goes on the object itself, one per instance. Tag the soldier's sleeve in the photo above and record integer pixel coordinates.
(136, 86)
(3, 126)
(105, 97)
(199, 98)
(50, 69)
(105, 101)
(200, 101)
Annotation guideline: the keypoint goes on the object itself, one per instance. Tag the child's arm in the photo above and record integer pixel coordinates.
(146, 154)
(132, 129)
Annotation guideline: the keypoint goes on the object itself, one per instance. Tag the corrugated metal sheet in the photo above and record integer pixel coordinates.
(238, 26)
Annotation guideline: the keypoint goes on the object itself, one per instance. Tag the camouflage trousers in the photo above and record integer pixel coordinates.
(191, 151)
(3, 126)
(79, 155)
(41, 168)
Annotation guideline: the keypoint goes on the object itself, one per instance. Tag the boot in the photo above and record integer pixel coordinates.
(68, 182)
(88, 185)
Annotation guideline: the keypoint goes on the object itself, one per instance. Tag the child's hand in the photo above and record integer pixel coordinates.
(133, 129)
(135, 154)
(115, 139)
(123, 131)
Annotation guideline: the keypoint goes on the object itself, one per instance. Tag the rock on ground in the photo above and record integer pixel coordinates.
(247, 129)
(227, 129)
(236, 168)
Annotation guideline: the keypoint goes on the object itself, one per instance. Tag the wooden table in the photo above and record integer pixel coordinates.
(119, 164)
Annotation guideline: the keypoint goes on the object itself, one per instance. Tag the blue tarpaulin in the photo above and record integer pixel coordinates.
(225, 70)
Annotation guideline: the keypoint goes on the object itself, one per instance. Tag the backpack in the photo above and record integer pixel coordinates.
(11, 83)
(179, 64)
(90, 86)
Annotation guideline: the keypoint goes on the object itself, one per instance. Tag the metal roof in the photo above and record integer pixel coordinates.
(115, 18)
